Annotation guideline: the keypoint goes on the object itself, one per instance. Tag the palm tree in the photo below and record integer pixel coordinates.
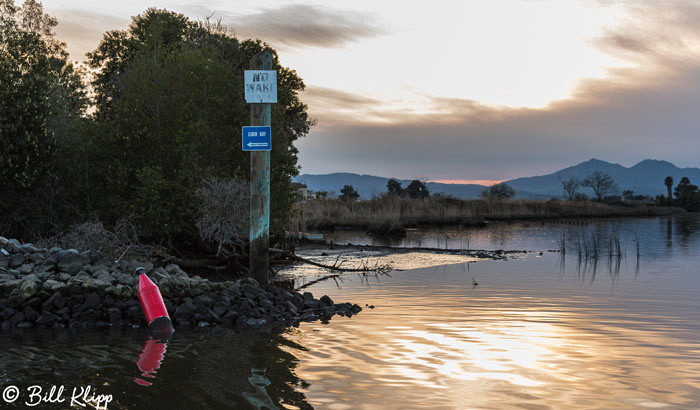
(669, 183)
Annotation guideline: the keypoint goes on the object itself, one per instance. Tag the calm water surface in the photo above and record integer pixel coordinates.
(538, 332)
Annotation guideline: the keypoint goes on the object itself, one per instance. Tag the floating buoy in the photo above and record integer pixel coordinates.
(153, 307)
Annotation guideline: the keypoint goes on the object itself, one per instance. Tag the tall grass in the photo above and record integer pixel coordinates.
(390, 212)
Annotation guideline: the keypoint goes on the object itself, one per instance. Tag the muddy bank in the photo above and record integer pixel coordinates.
(66, 288)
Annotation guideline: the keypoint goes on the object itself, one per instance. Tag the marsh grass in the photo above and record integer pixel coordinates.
(390, 213)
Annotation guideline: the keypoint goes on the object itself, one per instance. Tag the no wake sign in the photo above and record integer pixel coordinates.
(260, 86)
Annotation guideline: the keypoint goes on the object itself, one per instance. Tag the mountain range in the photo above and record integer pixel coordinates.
(644, 178)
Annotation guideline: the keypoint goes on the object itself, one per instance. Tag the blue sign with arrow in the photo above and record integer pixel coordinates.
(257, 138)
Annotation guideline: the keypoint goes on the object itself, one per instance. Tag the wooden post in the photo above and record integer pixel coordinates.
(260, 114)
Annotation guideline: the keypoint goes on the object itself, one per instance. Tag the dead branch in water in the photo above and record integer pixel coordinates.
(337, 264)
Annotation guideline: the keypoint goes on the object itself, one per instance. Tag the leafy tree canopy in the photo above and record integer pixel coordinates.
(348, 193)
(417, 190)
(394, 187)
(498, 191)
(169, 110)
(41, 97)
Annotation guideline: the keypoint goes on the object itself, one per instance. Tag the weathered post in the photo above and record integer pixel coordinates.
(260, 115)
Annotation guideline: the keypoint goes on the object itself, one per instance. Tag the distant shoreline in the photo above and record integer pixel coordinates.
(392, 215)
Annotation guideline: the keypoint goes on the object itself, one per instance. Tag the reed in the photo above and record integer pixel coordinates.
(391, 213)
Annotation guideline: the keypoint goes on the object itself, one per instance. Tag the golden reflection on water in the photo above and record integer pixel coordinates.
(459, 349)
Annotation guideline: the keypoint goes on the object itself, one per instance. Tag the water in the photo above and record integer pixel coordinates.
(536, 333)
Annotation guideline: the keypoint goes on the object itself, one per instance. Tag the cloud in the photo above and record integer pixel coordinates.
(301, 25)
(82, 30)
(646, 110)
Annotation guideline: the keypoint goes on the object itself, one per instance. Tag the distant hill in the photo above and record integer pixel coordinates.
(644, 178)
(369, 185)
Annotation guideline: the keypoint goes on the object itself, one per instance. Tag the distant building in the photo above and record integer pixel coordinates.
(303, 193)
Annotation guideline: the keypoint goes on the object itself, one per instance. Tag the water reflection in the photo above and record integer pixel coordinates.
(659, 237)
(519, 340)
(150, 360)
(213, 369)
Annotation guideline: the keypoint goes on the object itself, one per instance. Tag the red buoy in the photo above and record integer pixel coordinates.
(153, 306)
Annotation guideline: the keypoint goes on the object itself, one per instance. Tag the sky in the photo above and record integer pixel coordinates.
(479, 90)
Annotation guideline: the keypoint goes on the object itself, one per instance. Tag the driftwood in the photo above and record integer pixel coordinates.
(237, 262)
(336, 266)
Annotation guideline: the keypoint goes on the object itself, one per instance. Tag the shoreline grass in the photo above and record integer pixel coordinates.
(391, 214)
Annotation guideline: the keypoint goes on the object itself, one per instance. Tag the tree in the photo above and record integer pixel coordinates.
(169, 108)
(321, 194)
(394, 187)
(41, 97)
(570, 187)
(686, 193)
(601, 183)
(669, 184)
(628, 195)
(417, 190)
(348, 193)
(498, 191)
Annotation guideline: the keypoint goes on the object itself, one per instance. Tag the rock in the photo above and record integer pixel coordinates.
(12, 245)
(255, 322)
(36, 258)
(28, 288)
(7, 313)
(26, 268)
(53, 285)
(92, 300)
(291, 308)
(159, 274)
(88, 256)
(57, 300)
(15, 300)
(356, 309)
(247, 281)
(203, 301)
(4, 259)
(47, 319)
(10, 285)
(326, 301)
(25, 325)
(175, 271)
(97, 284)
(70, 261)
(16, 318)
(65, 255)
(30, 313)
(134, 312)
(105, 277)
(114, 314)
(185, 311)
(16, 259)
(312, 304)
(5, 277)
(309, 316)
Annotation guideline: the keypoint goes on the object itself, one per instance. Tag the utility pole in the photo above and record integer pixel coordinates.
(258, 83)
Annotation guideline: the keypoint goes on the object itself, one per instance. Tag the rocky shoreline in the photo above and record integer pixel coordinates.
(66, 288)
